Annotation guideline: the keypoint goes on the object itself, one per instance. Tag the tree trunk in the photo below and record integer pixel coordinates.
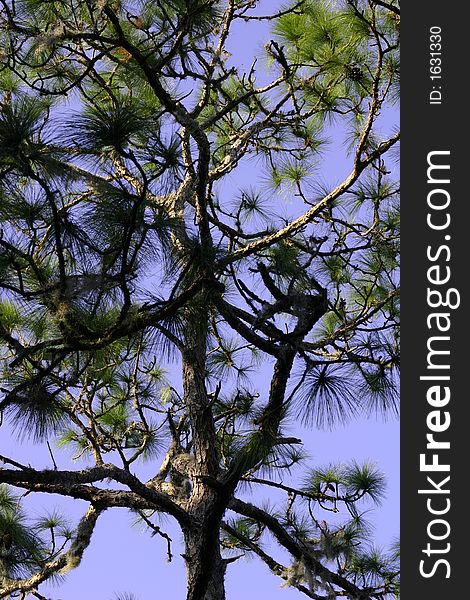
(204, 565)
(205, 568)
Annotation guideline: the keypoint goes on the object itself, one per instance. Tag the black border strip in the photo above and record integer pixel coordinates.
(435, 123)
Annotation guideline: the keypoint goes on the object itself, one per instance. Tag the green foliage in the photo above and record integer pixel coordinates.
(106, 127)
(373, 566)
(380, 390)
(244, 528)
(326, 397)
(74, 441)
(54, 522)
(36, 411)
(20, 547)
(365, 479)
(10, 315)
(349, 482)
(199, 16)
(125, 596)
(335, 44)
(21, 122)
(131, 237)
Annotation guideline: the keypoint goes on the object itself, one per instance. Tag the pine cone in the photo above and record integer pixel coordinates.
(354, 72)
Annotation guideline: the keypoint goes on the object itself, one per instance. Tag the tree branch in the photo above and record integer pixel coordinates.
(311, 214)
(72, 483)
(296, 548)
(273, 565)
(66, 562)
(387, 5)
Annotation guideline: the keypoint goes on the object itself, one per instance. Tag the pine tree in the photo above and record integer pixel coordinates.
(126, 248)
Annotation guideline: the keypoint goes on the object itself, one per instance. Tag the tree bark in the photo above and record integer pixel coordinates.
(205, 567)
(204, 443)
(204, 564)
